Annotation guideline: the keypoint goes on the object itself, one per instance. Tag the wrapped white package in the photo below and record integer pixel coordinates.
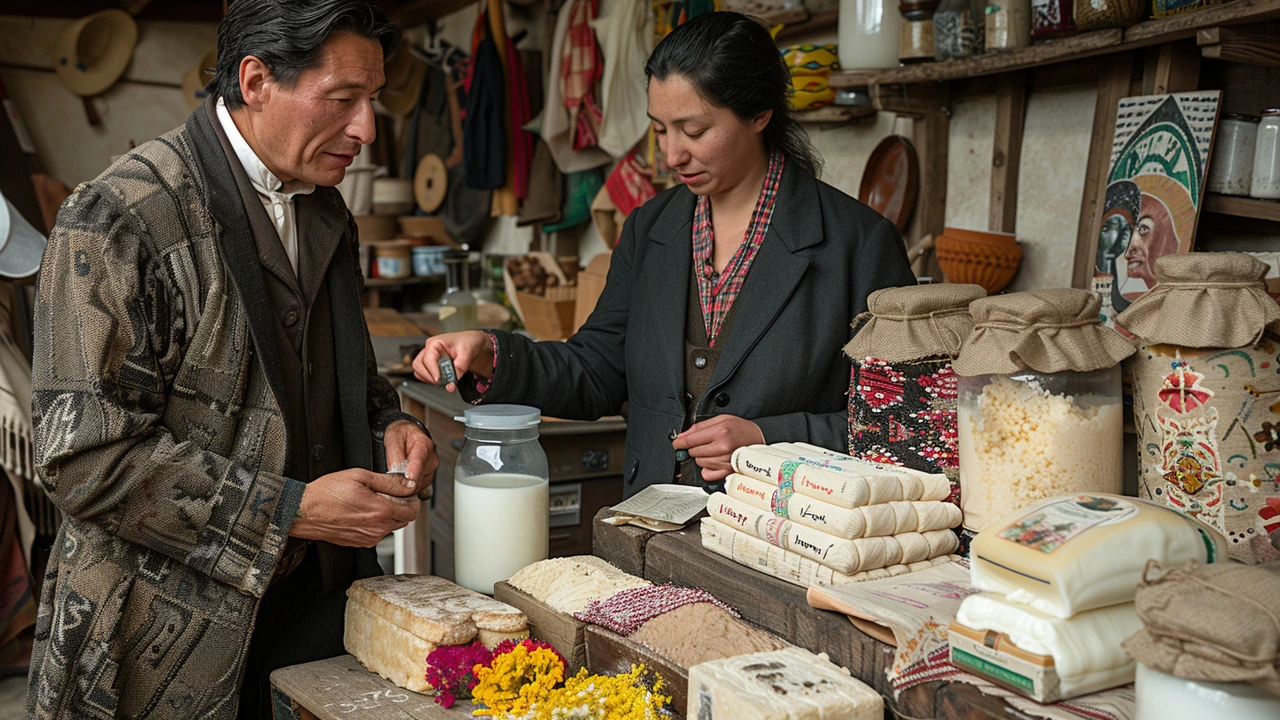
(840, 480)
(1074, 553)
(789, 684)
(1044, 657)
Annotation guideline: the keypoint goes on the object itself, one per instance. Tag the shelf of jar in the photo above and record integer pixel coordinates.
(1075, 47)
(397, 282)
(834, 114)
(1242, 207)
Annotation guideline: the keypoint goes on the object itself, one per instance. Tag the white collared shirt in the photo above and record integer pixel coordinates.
(276, 196)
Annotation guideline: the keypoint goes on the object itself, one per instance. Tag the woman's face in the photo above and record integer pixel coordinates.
(709, 147)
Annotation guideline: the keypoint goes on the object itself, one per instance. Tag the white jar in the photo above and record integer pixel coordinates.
(869, 34)
(1231, 169)
(1266, 157)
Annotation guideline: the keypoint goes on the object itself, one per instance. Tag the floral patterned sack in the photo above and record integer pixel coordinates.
(1050, 18)
(1206, 388)
(902, 390)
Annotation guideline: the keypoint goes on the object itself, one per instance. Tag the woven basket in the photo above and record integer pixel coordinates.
(1098, 14)
(549, 317)
(989, 264)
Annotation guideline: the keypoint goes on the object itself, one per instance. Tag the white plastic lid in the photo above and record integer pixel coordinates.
(501, 417)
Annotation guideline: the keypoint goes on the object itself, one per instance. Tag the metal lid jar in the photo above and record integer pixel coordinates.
(501, 495)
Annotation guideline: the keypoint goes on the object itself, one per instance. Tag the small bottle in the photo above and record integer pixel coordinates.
(1266, 157)
(458, 306)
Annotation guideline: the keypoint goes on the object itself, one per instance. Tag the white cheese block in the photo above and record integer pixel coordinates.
(752, 552)
(1074, 553)
(788, 684)
(383, 648)
(569, 584)
(1078, 656)
(889, 518)
(840, 480)
(435, 609)
(839, 554)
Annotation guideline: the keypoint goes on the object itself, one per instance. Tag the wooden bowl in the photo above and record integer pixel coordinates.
(989, 264)
(999, 238)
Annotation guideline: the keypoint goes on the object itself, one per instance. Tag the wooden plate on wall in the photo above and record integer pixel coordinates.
(891, 180)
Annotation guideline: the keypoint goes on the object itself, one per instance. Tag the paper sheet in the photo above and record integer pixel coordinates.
(660, 508)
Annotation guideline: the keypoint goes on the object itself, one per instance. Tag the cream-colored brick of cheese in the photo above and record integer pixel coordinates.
(789, 684)
(383, 648)
(435, 609)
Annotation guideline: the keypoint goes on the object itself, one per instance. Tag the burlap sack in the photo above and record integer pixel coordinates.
(914, 322)
(902, 390)
(1205, 300)
(1205, 394)
(1048, 331)
(1215, 623)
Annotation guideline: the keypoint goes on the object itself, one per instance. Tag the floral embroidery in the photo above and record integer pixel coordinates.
(1269, 434)
(880, 385)
(1182, 391)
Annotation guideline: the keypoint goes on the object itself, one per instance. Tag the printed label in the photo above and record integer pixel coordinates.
(1049, 527)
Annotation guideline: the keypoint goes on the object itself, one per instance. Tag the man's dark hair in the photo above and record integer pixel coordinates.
(287, 35)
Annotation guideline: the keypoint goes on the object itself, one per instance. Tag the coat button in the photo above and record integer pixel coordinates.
(290, 318)
(699, 362)
(721, 400)
(317, 453)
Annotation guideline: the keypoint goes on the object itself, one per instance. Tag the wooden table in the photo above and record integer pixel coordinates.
(342, 688)
(781, 608)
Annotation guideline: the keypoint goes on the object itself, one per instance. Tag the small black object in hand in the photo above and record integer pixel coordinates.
(447, 373)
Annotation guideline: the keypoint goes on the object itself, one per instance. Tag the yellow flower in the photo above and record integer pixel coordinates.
(514, 681)
(603, 697)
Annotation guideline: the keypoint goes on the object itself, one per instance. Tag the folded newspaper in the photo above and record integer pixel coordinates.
(660, 508)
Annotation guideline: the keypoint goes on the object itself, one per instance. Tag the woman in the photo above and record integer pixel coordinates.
(728, 298)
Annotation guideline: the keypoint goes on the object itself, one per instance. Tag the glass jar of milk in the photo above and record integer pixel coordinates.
(501, 496)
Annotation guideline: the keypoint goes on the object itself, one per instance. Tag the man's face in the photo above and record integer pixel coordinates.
(313, 130)
(1153, 240)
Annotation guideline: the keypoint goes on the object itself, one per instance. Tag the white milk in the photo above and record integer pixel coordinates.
(500, 523)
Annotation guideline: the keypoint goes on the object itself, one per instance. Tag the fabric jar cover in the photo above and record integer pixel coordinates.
(1048, 331)
(1212, 623)
(902, 390)
(1207, 397)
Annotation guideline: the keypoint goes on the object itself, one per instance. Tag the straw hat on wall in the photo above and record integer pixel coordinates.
(93, 52)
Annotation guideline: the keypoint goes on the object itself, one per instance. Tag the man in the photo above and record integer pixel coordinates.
(206, 399)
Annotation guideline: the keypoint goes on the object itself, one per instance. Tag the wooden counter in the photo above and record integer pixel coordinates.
(780, 607)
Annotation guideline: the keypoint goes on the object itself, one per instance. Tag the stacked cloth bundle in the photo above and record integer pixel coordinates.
(813, 516)
(1058, 581)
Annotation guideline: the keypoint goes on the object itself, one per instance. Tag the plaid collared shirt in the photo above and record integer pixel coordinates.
(717, 292)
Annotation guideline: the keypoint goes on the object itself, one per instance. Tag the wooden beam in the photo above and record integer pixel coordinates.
(1248, 46)
(817, 21)
(915, 101)
(1011, 108)
(1242, 207)
(1177, 69)
(930, 135)
(1113, 84)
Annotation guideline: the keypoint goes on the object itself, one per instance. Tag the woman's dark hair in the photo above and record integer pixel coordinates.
(287, 36)
(733, 62)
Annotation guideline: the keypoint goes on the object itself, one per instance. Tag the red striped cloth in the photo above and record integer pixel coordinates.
(580, 68)
(717, 292)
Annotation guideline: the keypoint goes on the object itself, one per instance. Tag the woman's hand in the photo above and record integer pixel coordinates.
(471, 352)
(711, 443)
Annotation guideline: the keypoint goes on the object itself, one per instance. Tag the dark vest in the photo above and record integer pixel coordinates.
(303, 330)
(700, 361)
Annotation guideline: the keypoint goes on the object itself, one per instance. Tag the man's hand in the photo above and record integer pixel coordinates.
(712, 442)
(406, 441)
(355, 507)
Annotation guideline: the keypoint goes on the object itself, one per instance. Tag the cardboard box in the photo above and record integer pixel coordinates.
(993, 656)
(590, 285)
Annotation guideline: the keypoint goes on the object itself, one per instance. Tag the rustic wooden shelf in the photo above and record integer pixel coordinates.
(1076, 47)
(833, 114)
(1242, 207)
(396, 282)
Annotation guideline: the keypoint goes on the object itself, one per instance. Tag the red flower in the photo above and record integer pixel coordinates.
(1182, 391)
(879, 384)
(1271, 515)
(941, 385)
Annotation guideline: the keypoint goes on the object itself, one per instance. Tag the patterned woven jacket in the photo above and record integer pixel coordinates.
(159, 434)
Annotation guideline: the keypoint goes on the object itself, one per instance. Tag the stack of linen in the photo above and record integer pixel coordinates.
(813, 516)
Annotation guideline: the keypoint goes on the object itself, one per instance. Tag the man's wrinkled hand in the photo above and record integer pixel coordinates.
(355, 507)
(405, 441)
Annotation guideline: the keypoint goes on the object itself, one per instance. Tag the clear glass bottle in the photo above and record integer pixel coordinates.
(458, 306)
(1231, 169)
(1030, 436)
(501, 496)
(1266, 157)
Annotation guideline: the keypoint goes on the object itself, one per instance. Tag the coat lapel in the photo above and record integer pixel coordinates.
(776, 270)
(321, 223)
(667, 286)
(235, 240)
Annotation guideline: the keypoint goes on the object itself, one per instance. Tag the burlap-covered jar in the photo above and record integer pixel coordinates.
(1206, 396)
(1040, 412)
(902, 390)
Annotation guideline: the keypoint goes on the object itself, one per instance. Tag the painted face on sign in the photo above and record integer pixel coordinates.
(1153, 240)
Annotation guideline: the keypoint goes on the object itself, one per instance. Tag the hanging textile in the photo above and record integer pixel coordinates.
(581, 66)
(484, 144)
(557, 127)
(521, 139)
(626, 38)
